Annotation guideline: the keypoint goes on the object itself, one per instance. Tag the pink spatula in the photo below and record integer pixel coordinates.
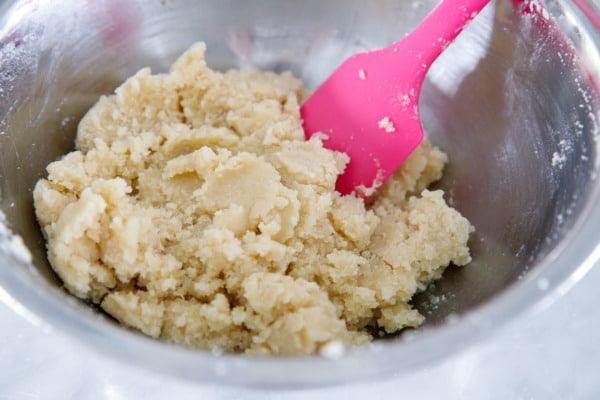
(368, 108)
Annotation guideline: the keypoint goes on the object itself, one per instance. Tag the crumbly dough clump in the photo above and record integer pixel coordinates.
(195, 211)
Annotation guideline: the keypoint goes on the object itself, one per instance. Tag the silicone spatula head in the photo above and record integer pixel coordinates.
(369, 107)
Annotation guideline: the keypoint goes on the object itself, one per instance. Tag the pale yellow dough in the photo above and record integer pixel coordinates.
(195, 211)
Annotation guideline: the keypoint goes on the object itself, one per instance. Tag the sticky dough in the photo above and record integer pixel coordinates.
(194, 210)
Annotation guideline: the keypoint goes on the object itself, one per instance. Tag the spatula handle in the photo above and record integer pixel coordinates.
(441, 26)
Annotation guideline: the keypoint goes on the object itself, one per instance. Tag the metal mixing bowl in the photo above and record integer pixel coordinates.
(512, 101)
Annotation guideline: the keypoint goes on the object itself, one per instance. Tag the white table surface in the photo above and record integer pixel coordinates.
(553, 354)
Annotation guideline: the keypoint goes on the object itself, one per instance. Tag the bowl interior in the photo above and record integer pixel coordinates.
(511, 102)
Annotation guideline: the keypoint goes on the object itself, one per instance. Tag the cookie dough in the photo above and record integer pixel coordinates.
(194, 210)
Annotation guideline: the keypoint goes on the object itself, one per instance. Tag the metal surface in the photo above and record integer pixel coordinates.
(512, 102)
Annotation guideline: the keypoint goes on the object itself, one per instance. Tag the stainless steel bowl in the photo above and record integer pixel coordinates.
(513, 102)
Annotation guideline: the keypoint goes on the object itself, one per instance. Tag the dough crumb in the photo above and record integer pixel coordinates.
(405, 99)
(387, 125)
(333, 350)
(194, 210)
